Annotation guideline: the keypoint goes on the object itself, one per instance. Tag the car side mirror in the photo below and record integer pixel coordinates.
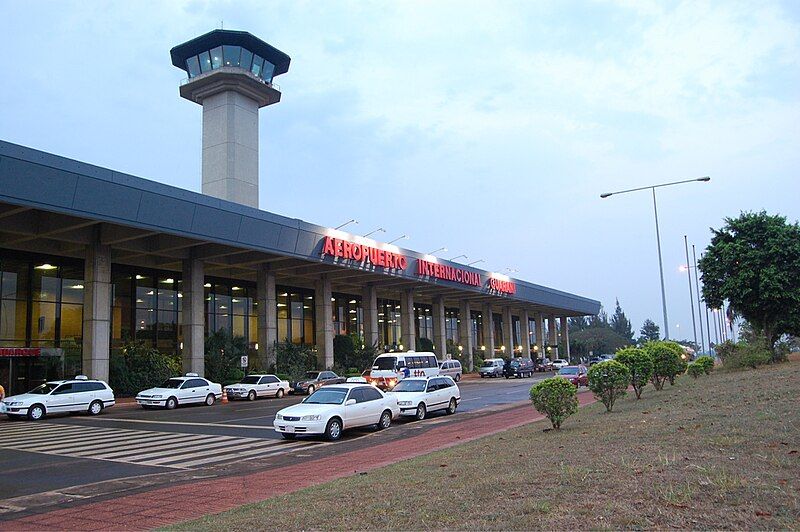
(350, 402)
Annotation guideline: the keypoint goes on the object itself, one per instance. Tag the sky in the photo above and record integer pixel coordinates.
(490, 128)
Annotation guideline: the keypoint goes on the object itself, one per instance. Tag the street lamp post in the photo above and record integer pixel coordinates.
(699, 309)
(691, 296)
(658, 235)
(348, 222)
(402, 237)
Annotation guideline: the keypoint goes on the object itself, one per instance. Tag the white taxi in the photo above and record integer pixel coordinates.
(416, 396)
(180, 391)
(76, 395)
(253, 386)
(337, 407)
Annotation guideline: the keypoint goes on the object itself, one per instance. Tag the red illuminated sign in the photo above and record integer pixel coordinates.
(505, 287)
(448, 273)
(20, 351)
(336, 247)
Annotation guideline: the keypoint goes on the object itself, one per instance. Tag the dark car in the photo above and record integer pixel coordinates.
(544, 364)
(518, 367)
(577, 375)
(314, 380)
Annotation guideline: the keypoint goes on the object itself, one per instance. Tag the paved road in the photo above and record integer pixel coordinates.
(127, 448)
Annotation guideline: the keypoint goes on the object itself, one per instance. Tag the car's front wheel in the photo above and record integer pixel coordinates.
(421, 412)
(280, 393)
(333, 431)
(171, 403)
(251, 396)
(458, 377)
(451, 408)
(36, 412)
(385, 421)
(210, 399)
(95, 408)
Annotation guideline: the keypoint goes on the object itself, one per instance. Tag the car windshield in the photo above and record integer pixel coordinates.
(311, 375)
(515, 363)
(568, 371)
(45, 388)
(410, 386)
(172, 383)
(251, 379)
(327, 396)
(384, 363)
(487, 364)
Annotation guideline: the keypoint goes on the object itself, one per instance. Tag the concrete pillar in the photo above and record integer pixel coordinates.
(508, 332)
(96, 312)
(407, 325)
(488, 331)
(465, 332)
(230, 147)
(323, 311)
(539, 328)
(369, 304)
(267, 318)
(439, 331)
(552, 336)
(525, 332)
(193, 317)
(565, 336)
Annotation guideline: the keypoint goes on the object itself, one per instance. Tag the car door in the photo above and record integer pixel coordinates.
(60, 399)
(374, 407)
(82, 394)
(431, 394)
(263, 387)
(354, 413)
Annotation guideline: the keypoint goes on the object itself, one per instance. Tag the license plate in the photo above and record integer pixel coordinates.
(289, 429)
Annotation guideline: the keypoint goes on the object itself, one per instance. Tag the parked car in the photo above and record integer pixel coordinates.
(176, 391)
(360, 380)
(544, 364)
(560, 363)
(518, 367)
(577, 375)
(416, 396)
(335, 408)
(600, 358)
(80, 394)
(390, 368)
(252, 387)
(314, 380)
(451, 368)
(492, 367)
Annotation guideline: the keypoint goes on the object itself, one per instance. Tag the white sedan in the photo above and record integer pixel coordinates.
(180, 391)
(416, 396)
(560, 363)
(254, 386)
(337, 407)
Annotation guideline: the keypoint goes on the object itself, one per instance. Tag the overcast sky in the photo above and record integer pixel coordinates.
(487, 127)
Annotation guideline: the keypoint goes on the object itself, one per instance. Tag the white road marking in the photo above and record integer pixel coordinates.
(187, 423)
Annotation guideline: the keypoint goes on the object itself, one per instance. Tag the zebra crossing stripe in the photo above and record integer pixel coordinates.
(195, 450)
(80, 443)
(40, 432)
(50, 438)
(286, 447)
(124, 446)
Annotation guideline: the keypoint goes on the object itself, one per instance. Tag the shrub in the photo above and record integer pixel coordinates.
(423, 344)
(223, 353)
(695, 369)
(608, 381)
(706, 362)
(639, 364)
(667, 362)
(744, 354)
(294, 360)
(134, 368)
(556, 398)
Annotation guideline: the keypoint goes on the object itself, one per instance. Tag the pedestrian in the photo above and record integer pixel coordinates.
(2, 396)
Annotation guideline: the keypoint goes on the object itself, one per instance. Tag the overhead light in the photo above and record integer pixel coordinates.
(236, 288)
(77, 287)
(352, 301)
(284, 294)
(140, 300)
(207, 285)
(169, 280)
(139, 277)
(150, 293)
(223, 307)
(45, 266)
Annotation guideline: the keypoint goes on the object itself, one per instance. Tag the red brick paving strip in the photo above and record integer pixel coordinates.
(173, 504)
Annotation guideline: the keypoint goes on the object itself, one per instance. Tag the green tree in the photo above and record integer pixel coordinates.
(639, 364)
(578, 323)
(621, 324)
(556, 398)
(649, 332)
(753, 263)
(608, 381)
(666, 357)
(596, 339)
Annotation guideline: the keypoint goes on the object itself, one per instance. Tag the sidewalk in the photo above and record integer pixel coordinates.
(174, 504)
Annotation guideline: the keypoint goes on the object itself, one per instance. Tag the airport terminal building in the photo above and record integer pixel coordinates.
(91, 258)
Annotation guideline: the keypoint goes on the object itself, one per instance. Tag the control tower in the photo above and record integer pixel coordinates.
(230, 75)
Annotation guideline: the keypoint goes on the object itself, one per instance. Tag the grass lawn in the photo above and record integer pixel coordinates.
(722, 451)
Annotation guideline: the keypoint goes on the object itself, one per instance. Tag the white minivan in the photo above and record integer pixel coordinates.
(451, 368)
(390, 368)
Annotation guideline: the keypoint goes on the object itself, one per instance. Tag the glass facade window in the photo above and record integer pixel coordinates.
(476, 326)
(348, 316)
(389, 324)
(230, 56)
(423, 318)
(41, 306)
(516, 328)
(451, 321)
(497, 321)
(296, 322)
